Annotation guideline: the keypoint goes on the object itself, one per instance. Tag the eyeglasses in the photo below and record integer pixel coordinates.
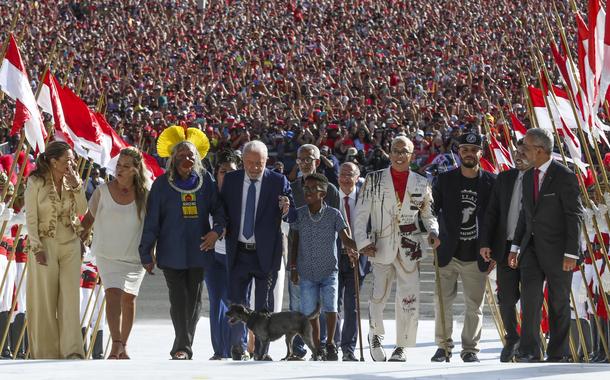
(402, 152)
(317, 189)
(307, 160)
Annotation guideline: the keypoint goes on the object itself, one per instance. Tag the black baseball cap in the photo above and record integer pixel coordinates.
(471, 139)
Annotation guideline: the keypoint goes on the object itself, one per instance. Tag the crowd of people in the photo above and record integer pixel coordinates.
(291, 72)
(284, 109)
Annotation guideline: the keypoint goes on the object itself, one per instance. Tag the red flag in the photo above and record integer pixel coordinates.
(518, 126)
(152, 165)
(487, 166)
(501, 154)
(15, 83)
(48, 100)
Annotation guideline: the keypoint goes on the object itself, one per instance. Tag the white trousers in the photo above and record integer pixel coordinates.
(406, 304)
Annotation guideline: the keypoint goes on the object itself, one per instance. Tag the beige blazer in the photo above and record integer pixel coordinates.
(378, 201)
(43, 208)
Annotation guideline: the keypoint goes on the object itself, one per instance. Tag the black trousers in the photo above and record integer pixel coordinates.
(185, 286)
(346, 333)
(508, 296)
(535, 268)
(244, 272)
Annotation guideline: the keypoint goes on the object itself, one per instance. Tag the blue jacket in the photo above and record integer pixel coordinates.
(178, 238)
(267, 232)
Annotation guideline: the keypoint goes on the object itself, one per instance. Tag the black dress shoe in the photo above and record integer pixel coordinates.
(470, 357)
(526, 358)
(263, 358)
(508, 352)
(349, 357)
(216, 357)
(558, 359)
(439, 356)
(239, 354)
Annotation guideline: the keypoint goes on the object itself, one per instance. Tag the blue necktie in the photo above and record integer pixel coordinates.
(250, 210)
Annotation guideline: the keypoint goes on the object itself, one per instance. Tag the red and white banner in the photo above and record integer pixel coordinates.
(504, 160)
(15, 83)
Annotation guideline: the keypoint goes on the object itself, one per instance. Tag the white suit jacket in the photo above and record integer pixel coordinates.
(378, 202)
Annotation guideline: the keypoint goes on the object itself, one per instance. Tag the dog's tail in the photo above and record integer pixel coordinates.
(315, 314)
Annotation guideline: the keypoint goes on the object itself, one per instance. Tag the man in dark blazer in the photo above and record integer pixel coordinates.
(496, 238)
(460, 199)
(347, 333)
(256, 200)
(546, 247)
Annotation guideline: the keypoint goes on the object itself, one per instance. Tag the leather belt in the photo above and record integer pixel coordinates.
(246, 246)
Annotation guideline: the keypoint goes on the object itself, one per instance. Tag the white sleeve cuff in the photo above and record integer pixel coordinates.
(571, 256)
(514, 248)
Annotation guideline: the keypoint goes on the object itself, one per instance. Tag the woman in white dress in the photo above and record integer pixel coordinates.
(116, 212)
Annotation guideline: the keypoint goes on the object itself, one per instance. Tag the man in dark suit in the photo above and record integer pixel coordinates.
(546, 246)
(460, 199)
(254, 237)
(349, 187)
(496, 238)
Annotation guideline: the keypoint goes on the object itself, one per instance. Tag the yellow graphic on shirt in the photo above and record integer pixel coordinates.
(189, 205)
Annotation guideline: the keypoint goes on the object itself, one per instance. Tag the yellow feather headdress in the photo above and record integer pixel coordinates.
(176, 134)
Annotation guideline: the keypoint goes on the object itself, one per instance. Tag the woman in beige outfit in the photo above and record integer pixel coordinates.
(54, 198)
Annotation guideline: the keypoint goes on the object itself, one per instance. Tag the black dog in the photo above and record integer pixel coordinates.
(271, 326)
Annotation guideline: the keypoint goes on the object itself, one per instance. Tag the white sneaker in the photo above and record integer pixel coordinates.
(377, 351)
(399, 355)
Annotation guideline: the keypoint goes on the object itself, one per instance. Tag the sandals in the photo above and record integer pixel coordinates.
(180, 355)
(123, 355)
(120, 354)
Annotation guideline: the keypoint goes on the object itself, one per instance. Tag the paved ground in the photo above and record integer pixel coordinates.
(151, 340)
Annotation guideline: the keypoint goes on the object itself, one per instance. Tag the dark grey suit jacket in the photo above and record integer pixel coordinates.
(493, 231)
(553, 222)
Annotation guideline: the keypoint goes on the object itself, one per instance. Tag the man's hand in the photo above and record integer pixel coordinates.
(353, 257)
(284, 203)
(433, 240)
(294, 276)
(41, 258)
(208, 241)
(369, 250)
(485, 253)
(149, 267)
(492, 266)
(569, 264)
(512, 260)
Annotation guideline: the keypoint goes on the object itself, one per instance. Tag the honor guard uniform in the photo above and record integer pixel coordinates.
(92, 295)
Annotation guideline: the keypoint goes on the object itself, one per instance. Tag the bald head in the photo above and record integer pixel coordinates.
(348, 177)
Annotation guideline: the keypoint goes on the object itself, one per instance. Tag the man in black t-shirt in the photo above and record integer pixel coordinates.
(460, 200)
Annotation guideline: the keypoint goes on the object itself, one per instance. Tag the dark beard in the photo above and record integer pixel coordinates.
(470, 165)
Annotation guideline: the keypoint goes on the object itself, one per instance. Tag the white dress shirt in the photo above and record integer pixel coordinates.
(244, 197)
(352, 205)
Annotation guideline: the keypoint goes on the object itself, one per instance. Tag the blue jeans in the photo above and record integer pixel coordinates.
(323, 291)
(216, 281)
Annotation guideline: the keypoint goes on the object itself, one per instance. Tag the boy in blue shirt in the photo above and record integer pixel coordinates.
(315, 261)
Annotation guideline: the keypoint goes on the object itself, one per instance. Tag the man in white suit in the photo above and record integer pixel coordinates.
(390, 206)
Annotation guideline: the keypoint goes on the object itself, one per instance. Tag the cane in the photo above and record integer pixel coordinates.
(441, 305)
(357, 287)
